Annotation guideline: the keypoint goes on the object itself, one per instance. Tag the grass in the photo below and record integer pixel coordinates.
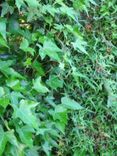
(58, 78)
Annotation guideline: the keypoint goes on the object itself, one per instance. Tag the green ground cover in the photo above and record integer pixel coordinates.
(58, 78)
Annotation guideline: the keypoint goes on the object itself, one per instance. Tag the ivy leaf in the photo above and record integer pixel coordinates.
(71, 104)
(32, 151)
(14, 148)
(25, 113)
(69, 11)
(33, 3)
(93, 2)
(80, 45)
(112, 100)
(25, 47)
(112, 96)
(4, 101)
(60, 117)
(3, 141)
(50, 9)
(1, 91)
(19, 3)
(50, 49)
(15, 96)
(30, 3)
(3, 42)
(5, 64)
(11, 138)
(24, 44)
(15, 84)
(54, 82)
(12, 73)
(3, 27)
(38, 67)
(13, 25)
(25, 134)
(7, 70)
(6, 8)
(39, 87)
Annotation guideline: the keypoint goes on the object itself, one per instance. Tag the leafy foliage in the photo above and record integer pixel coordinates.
(58, 78)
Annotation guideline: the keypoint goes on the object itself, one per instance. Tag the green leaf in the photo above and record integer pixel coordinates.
(32, 152)
(4, 99)
(38, 67)
(25, 113)
(93, 2)
(28, 62)
(24, 44)
(71, 104)
(11, 138)
(39, 87)
(79, 152)
(81, 5)
(3, 27)
(47, 148)
(25, 134)
(7, 70)
(33, 3)
(25, 47)
(15, 96)
(60, 117)
(15, 148)
(30, 3)
(13, 25)
(14, 84)
(12, 150)
(80, 46)
(54, 82)
(1, 91)
(3, 42)
(3, 141)
(19, 3)
(4, 102)
(112, 96)
(112, 100)
(6, 8)
(5, 64)
(50, 9)
(50, 49)
(10, 72)
(68, 11)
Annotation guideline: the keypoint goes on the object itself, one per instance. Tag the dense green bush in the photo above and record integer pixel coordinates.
(58, 78)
